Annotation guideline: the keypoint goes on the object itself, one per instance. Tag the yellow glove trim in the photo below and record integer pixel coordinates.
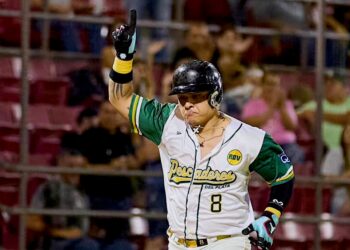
(274, 211)
(122, 67)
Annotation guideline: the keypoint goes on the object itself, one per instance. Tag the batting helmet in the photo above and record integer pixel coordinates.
(198, 76)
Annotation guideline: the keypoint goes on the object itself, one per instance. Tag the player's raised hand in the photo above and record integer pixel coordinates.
(261, 231)
(124, 38)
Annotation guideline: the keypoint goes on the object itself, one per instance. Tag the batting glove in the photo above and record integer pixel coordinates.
(124, 41)
(261, 231)
(124, 38)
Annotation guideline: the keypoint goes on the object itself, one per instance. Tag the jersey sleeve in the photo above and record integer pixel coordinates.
(148, 117)
(272, 163)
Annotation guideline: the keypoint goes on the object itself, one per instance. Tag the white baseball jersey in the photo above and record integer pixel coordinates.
(208, 196)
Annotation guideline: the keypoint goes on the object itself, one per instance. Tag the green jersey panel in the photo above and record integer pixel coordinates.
(148, 117)
(272, 163)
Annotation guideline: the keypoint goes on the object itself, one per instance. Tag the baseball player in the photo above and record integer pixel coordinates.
(207, 156)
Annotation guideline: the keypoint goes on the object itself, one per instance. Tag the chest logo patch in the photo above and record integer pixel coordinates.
(234, 157)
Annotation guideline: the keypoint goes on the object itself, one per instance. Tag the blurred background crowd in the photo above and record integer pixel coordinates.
(268, 72)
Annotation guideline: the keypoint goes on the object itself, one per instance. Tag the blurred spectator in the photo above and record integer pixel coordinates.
(285, 16)
(238, 12)
(62, 232)
(155, 10)
(274, 113)
(154, 194)
(213, 12)
(199, 43)
(230, 47)
(86, 119)
(336, 50)
(301, 94)
(336, 106)
(344, 204)
(278, 14)
(143, 80)
(88, 87)
(240, 86)
(109, 146)
(68, 31)
(93, 30)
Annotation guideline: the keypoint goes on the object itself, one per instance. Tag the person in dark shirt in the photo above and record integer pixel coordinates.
(109, 146)
(63, 232)
(86, 119)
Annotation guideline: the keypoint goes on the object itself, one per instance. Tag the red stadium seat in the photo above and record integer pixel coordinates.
(7, 115)
(10, 143)
(9, 179)
(10, 4)
(8, 195)
(46, 141)
(63, 116)
(10, 89)
(40, 159)
(7, 67)
(38, 116)
(52, 92)
(9, 157)
(42, 69)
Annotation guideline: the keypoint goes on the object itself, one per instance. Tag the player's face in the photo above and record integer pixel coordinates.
(195, 108)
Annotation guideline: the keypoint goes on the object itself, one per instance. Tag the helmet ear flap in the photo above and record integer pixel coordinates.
(213, 100)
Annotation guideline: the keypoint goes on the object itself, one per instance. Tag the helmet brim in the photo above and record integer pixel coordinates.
(191, 88)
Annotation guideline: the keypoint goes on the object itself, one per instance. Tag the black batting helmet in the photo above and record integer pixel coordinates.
(198, 76)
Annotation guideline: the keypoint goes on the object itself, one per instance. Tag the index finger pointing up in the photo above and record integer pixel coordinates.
(132, 20)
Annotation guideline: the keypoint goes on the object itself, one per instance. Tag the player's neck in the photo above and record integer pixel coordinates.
(216, 122)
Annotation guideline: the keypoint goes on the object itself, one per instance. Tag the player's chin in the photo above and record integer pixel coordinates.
(193, 122)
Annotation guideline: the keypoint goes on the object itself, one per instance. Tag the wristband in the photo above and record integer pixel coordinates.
(121, 71)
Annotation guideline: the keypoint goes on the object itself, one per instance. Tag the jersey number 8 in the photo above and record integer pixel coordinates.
(215, 203)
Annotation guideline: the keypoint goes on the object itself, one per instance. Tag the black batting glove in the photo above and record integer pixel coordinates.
(124, 41)
(124, 38)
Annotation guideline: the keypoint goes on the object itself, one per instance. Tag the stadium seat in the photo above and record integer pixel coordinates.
(41, 69)
(11, 4)
(38, 116)
(10, 143)
(8, 195)
(52, 92)
(9, 157)
(46, 141)
(40, 159)
(10, 89)
(7, 115)
(63, 116)
(9, 179)
(7, 67)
